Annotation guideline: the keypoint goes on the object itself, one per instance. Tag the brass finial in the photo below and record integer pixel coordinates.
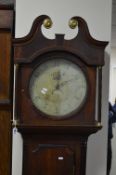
(73, 23)
(47, 23)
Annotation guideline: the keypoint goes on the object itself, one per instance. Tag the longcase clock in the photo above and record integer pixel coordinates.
(58, 98)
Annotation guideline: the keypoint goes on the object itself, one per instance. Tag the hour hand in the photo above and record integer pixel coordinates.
(57, 87)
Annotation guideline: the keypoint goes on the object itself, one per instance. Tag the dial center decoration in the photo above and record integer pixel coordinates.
(58, 87)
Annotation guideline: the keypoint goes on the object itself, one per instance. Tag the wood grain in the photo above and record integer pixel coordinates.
(5, 142)
(5, 67)
(5, 103)
(6, 19)
(6, 85)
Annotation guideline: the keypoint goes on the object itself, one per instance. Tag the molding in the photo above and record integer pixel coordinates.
(28, 48)
(7, 4)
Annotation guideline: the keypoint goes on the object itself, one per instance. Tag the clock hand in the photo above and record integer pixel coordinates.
(65, 82)
(59, 85)
(56, 75)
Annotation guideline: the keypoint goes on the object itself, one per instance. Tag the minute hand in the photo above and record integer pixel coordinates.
(65, 82)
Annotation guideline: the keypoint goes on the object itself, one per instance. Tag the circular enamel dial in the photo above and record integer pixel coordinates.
(58, 88)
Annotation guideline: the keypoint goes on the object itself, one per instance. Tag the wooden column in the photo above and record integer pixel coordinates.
(6, 84)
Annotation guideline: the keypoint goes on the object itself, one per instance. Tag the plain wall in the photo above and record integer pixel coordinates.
(98, 16)
(112, 90)
(112, 100)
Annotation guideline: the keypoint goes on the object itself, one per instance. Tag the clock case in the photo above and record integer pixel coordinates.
(53, 147)
(35, 49)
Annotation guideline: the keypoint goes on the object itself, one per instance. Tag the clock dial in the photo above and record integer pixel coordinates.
(58, 87)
